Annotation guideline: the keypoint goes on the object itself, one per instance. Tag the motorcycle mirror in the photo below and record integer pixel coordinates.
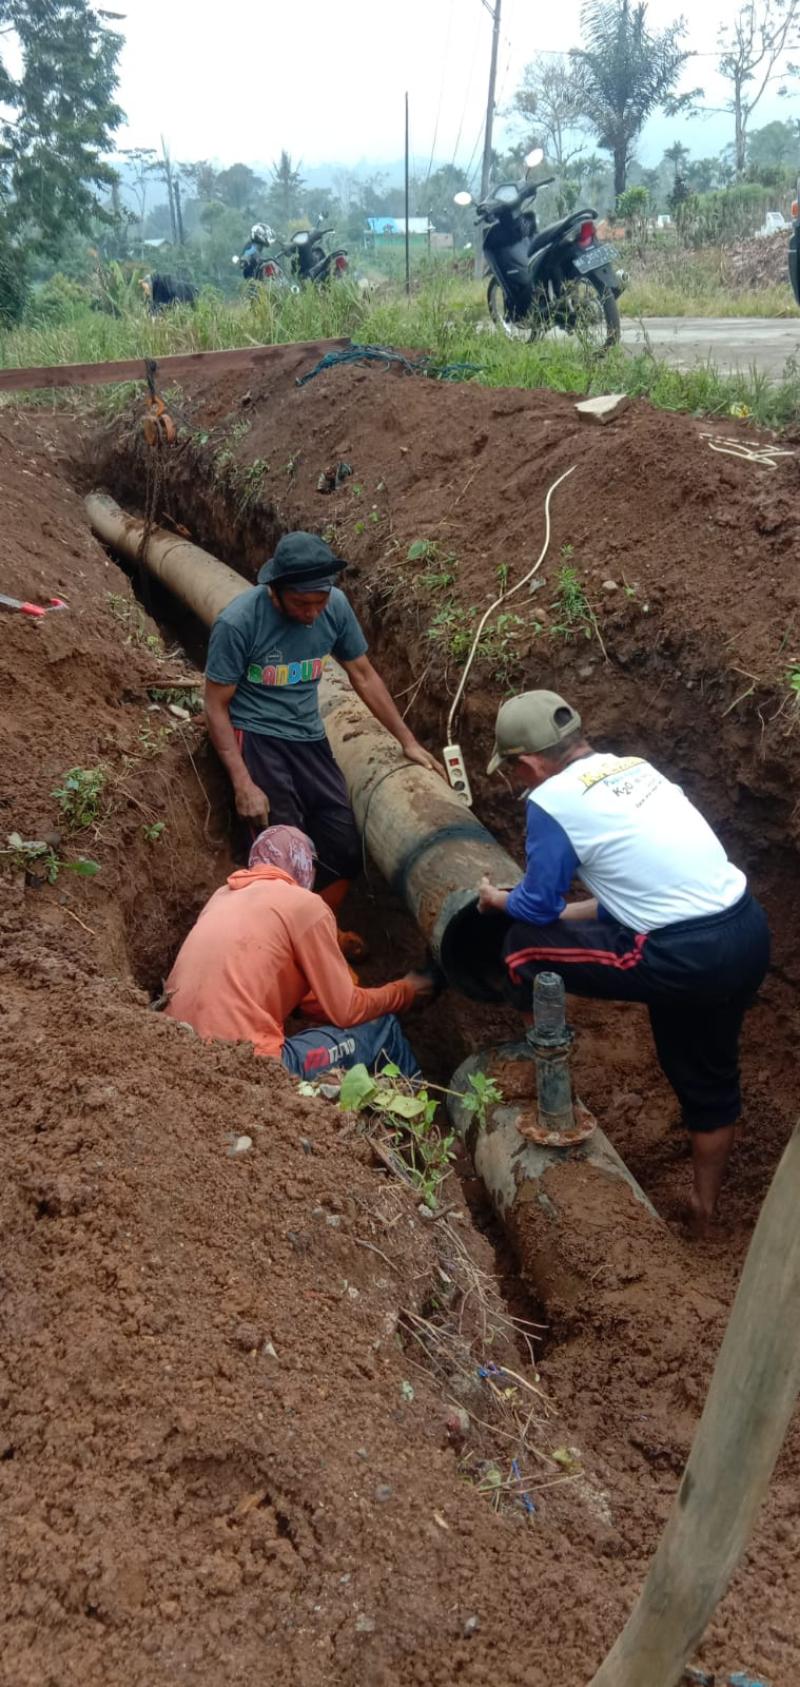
(462, 198)
(534, 158)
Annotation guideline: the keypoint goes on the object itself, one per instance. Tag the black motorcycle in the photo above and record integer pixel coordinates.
(308, 259)
(557, 277)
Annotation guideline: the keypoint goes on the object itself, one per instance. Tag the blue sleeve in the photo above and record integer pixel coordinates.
(226, 662)
(551, 867)
(350, 640)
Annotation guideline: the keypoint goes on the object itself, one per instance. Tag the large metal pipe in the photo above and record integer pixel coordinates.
(420, 833)
(565, 1209)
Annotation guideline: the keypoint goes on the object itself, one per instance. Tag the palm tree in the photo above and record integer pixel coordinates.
(678, 156)
(624, 72)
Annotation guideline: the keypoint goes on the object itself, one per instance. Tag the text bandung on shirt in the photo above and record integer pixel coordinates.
(287, 673)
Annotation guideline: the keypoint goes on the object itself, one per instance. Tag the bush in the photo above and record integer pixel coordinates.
(13, 286)
(733, 213)
(57, 300)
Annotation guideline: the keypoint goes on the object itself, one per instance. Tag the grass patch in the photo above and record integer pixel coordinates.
(442, 319)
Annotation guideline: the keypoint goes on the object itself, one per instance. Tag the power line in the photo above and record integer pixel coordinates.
(467, 92)
(445, 67)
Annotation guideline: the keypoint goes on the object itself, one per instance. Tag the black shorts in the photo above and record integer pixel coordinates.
(306, 788)
(697, 977)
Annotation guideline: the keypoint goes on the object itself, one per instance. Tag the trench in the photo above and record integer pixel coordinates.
(614, 1067)
(443, 1036)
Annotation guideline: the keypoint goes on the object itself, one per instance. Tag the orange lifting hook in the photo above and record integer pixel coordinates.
(157, 422)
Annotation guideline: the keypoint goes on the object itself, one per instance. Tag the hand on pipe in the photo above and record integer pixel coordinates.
(490, 897)
(417, 753)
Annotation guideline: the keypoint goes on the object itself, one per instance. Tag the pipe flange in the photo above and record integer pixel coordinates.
(529, 1126)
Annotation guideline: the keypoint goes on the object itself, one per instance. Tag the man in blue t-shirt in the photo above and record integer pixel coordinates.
(669, 921)
(266, 657)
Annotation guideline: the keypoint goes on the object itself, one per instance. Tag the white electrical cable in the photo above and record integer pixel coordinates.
(502, 599)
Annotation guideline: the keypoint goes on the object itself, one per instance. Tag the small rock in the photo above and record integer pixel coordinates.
(365, 1624)
(586, 671)
(247, 1337)
(240, 1145)
(603, 409)
(334, 1220)
(179, 712)
(383, 1492)
(458, 1422)
(345, 1579)
(610, 586)
(306, 1144)
(268, 1350)
(471, 1627)
(362, 1453)
(299, 1241)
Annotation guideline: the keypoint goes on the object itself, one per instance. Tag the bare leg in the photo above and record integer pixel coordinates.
(710, 1150)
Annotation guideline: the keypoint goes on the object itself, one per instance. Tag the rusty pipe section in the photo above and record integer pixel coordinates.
(420, 834)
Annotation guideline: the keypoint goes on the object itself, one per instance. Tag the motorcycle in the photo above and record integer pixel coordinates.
(794, 246)
(254, 263)
(308, 260)
(557, 277)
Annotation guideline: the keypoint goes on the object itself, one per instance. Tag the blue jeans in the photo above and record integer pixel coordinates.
(380, 1042)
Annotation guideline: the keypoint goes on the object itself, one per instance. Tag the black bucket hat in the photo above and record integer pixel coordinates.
(303, 562)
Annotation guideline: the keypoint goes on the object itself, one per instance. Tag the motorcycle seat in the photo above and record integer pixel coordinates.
(546, 236)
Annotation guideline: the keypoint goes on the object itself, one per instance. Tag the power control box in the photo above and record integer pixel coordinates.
(456, 771)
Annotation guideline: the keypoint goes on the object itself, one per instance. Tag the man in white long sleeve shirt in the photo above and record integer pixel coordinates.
(670, 922)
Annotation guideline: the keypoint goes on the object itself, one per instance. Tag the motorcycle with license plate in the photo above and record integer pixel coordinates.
(559, 277)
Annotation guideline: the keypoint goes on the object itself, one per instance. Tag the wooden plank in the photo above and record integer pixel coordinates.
(178, 363)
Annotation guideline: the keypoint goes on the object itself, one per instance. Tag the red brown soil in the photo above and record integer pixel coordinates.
(177, 1500)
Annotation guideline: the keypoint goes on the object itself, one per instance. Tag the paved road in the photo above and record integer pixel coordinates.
(731, 342)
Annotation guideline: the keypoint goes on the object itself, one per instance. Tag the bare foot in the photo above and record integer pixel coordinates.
(699, 1221)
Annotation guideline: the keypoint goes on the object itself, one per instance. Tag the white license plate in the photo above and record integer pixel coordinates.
(595, 257)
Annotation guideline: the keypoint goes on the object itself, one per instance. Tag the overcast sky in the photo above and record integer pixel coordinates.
(241, 79)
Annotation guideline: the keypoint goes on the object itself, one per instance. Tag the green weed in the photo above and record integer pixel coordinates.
(38, 860)
(572, 606)
(81, 795)
(154, 832)
(482, 1094)
(423, 1155)
(131, 616)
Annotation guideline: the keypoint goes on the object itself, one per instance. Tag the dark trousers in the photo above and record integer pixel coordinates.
(378, 1043)
(697, 977)
(306, 788)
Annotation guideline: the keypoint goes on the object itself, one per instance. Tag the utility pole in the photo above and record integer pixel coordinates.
(494, 13)
(408, 236)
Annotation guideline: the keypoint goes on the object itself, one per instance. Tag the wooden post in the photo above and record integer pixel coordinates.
(408, 236)
(487, 135)
(750, 1401)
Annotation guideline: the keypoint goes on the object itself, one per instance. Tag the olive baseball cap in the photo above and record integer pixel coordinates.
(530, 723)
(303, 562)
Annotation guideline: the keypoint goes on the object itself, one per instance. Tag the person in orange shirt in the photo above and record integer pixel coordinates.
(265, 947)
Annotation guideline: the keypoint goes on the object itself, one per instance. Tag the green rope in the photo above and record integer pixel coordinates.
(387, 356)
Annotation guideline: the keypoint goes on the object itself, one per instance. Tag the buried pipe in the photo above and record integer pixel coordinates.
(584, 1233)
(419, 832)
